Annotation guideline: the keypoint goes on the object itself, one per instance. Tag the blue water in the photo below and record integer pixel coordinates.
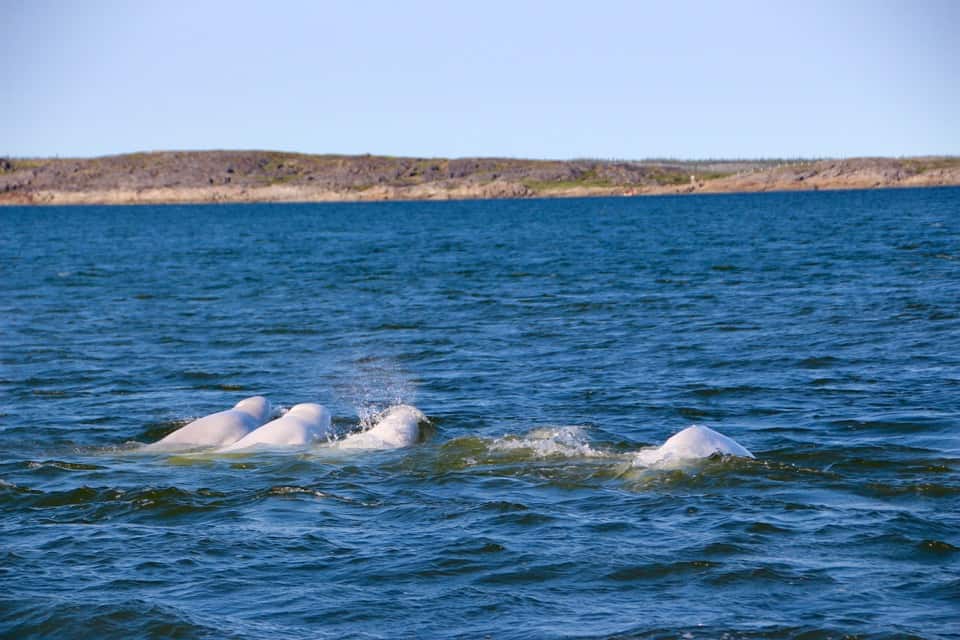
(548, 341)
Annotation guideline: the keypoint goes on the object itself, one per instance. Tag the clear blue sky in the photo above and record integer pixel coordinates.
(630, 79)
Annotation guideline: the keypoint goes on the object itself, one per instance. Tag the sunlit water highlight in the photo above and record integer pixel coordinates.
(548, 342)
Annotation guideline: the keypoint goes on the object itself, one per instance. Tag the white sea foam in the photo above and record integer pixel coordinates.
(569, 441)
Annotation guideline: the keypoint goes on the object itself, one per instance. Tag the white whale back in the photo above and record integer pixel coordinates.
(304, 424)
(399, 426)
(257, 407)
(218, 429)
(690, 444)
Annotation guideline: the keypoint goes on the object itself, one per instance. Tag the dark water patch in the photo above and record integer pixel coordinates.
(937, 547)
(724, 549)
(290, 331)
(694, 413)
(104, 420)
(90, 505)
(121, 619)
(849, 455)
(894, 424)
(501, 506)
(658, 570)
(522, 520)
(154, 431)
(719, 391)
(772, 574)
(753, 631)
(766, 528)
(818, 362)
(202, 375)
(900, 464)
(729, 328)
(10, 490)
(395, 326)
(911, 489)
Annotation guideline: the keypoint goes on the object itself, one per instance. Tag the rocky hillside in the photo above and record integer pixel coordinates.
(258, 176)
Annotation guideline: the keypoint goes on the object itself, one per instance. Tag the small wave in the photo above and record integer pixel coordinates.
(529, 574)
(88, 504)
(201, 375)
(711, 392)
(902, 489)
(13, 488)
(285, 490)
(656, 570)
(121, 618)
(63, 466)
(294, 491)
(773, 573)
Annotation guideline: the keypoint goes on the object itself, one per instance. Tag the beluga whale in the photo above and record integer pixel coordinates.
(302, 425)
(693, 443)
(218, 429)
(398, 426)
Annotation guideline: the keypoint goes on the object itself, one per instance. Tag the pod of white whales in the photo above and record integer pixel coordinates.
(247, 426)
(304, 424)
(219, 429)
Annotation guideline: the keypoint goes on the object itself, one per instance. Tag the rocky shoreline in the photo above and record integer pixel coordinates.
(264, 176)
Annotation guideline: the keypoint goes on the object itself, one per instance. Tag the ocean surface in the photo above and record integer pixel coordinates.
(548, 342)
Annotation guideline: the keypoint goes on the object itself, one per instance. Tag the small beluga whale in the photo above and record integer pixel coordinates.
(693, 443)
(218, 429)
(304, 424)
(398, 426)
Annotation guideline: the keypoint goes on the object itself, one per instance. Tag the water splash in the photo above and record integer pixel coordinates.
(568, 441)
(374, 384)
